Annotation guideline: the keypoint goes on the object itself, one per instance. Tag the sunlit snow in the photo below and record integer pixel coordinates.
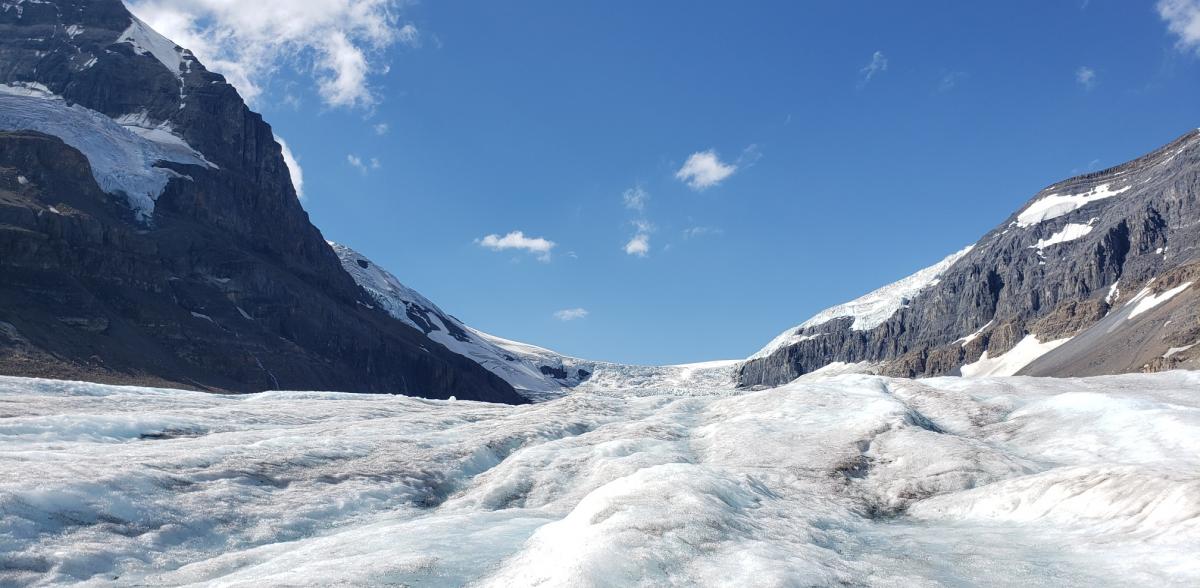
(851, 480)
(1022, 354)
(1056, 205)
(1068, 233)
(146, 40)
(1144, 301)
(871, 309)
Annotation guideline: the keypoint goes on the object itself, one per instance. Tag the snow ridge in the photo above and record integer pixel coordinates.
(147, 41)
(417, 311)
(871, 309)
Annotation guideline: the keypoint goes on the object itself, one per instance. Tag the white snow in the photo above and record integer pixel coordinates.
(1177, 350)
(522, 365)
(870, 310)
(123, 161)
(399, 301)
(1022, 354)
(1144, 301)
(973, 336)
(146, 41)
(1070, 232)
(838, 368)
(850, 480)
(1114, 292)
(1056, 205)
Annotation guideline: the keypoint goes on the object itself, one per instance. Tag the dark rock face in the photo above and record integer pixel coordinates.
(228, 286)
(1007, 286)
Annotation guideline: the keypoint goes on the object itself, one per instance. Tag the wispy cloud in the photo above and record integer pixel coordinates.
(1086, 77)
(293, 166)
(878, 64)
(340, 44)
(1183, 20)
(571, 314)
(518, 241)
(381, 128)
(950, 81)
(703, 170)
(363, 166)
(635, 198)
(750, 156)
(697, 232)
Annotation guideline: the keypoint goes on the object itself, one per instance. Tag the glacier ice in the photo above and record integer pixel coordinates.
(124, 154)
(849, 479)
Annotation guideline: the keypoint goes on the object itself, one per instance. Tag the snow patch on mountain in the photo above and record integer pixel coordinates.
(1070, 232)
(1056, 205)
(1022, 354)
(1145, 301)
(147, 41)
(870, 310)
(124, 154)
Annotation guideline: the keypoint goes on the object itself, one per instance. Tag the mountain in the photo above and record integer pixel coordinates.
(537, 373)
(1094, 275)
(151, 233)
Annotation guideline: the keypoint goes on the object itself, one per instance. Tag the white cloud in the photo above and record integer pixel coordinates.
(635, 198)
(1086, 77)
(703, 170)
(293, 166)
(879, 63)
(517, 240)
(639, 245)
(363, 166)
(570, 314)
(381, 129)
(339, 42)
(1183, 19)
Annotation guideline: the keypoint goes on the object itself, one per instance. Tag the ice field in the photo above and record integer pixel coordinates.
(849, 480)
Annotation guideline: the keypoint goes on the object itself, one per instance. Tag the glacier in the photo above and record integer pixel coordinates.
(125, 153)
(638, 478)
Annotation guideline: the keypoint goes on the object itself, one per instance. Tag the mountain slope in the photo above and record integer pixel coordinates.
(1094, 275)
(536, 372)
(152, 234)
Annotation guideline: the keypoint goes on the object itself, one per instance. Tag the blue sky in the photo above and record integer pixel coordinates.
(835, 146)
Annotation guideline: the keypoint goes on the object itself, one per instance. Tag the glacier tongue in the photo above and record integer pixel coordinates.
(857, 480)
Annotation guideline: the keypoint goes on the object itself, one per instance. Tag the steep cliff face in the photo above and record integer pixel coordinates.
(1055, 284)
(151, 232)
